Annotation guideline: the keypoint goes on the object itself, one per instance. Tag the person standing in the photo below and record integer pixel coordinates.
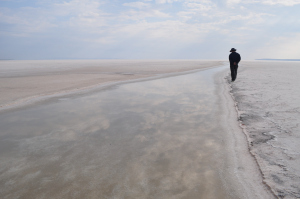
(234, 59)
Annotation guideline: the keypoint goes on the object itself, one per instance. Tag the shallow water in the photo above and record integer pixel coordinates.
(152, 139)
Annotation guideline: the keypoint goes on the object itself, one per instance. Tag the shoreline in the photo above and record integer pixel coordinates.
(246, 135)
(242, 165)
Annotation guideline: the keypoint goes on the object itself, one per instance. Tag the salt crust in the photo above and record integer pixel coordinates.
(267, 96)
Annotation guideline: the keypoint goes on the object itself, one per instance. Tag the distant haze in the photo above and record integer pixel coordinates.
(280, 59)
(149, 29)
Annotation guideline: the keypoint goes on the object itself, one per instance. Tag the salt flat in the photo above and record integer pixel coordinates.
(168, 137)
(268, 99)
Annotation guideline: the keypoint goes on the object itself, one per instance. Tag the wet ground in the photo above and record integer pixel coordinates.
(150, 139)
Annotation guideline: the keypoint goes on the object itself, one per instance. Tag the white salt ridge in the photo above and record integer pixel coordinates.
(267, 96)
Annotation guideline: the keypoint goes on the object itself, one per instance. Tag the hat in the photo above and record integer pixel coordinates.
(232, 49)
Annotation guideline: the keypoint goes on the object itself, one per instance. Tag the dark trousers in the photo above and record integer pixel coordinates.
(233, 69)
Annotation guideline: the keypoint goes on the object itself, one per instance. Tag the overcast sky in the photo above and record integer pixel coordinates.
(149, 29)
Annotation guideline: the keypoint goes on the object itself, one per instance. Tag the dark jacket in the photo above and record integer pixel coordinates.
(234, 57)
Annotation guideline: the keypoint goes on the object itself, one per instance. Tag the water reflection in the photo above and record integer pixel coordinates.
(152, 139)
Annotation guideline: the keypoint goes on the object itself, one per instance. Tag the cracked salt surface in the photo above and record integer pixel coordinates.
(267, 94)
